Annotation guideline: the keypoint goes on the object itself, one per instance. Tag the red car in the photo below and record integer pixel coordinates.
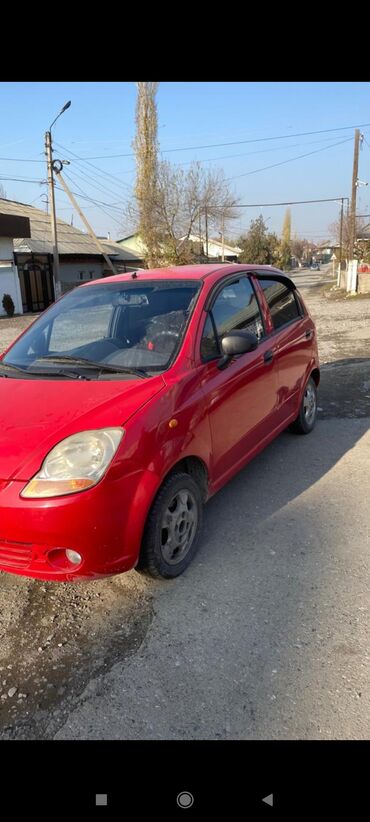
(131, 401)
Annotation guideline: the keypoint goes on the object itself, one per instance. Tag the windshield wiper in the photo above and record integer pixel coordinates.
(43, 372)
(12, 367)
(102, 366)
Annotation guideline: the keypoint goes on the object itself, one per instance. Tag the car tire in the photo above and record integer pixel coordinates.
(305, 422)
(172, 529)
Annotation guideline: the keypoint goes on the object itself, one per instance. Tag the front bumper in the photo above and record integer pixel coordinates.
(104, 524)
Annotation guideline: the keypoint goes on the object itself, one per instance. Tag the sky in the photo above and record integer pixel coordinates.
(265, 123)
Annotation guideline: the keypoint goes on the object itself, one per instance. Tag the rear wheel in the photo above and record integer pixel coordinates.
(306, 419)
(172, 529)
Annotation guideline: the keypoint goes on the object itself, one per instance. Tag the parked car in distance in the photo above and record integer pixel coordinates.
(135, 398)
(315, 267)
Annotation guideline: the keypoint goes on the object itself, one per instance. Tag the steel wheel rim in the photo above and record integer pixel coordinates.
(178, 527)
(309, 404)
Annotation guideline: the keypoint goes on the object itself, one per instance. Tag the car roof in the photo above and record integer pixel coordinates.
(187, 272)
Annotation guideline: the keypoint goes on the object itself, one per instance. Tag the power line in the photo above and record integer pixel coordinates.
(83, 160)
(20, 160)
(291, 159)
(21, 180)
(99, 187)
(234, 143)
(196, 148)
(118, 206)
(250, 153)
(84, 196)
(93, 178)
(290, 202)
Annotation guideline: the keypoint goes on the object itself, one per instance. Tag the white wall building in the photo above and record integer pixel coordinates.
(9, 281)
(10, 226)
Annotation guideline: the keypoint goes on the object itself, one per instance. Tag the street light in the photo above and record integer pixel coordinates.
(67, 105)
(49, 155)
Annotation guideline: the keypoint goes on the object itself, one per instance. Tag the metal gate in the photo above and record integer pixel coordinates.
(36, 285)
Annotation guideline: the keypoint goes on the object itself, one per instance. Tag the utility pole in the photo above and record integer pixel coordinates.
(341, 234)
(223, 237)
(352, 233)
(86, 223)
(340, 243)
(49, 156)
(206, 219)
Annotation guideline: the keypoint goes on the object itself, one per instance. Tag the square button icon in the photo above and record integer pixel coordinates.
(101, 799)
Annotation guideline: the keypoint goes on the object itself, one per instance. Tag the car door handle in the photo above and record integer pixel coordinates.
(309, 333)
(268, 356)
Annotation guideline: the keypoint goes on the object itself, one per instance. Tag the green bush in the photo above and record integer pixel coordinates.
(8, 305)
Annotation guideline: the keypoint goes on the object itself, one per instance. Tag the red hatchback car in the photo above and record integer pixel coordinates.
(131, 401)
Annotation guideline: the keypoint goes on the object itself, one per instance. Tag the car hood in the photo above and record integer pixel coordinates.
(37, 414)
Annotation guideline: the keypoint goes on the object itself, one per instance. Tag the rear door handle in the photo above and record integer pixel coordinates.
(268, 356)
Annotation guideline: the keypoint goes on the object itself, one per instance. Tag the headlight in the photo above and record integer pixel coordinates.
(75, 464)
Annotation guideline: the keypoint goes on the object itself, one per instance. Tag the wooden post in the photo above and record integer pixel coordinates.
(88, 226)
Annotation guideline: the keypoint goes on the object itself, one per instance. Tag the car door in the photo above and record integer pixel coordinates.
(241, 398)
(292, 335)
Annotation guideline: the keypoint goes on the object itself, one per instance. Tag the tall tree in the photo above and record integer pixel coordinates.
(146, 150)
(284, 252)
(287, 227)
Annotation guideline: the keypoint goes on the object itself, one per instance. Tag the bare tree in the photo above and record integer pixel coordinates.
(182, 200)
(298, 247)
(334, 229)
(3, 194)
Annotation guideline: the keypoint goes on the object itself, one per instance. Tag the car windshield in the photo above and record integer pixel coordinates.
(134, 327)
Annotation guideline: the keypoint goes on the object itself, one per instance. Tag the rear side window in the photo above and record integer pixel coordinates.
(281, 302)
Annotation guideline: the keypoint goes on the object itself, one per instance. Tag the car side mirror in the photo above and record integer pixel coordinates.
(236, 343)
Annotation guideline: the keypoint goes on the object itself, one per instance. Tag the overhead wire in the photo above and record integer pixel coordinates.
(290, 160)
(236, 142)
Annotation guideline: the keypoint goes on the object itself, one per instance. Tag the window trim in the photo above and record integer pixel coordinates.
(292, 288)
(214, 356)
(210, 301)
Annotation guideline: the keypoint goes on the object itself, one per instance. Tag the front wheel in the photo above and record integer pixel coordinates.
(306, 419)
(172, 530)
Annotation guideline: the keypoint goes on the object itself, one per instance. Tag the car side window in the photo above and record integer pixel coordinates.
(209, 345)
(235, 309)
(281, 302)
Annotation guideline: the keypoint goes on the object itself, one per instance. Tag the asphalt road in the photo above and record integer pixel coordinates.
(264, 637)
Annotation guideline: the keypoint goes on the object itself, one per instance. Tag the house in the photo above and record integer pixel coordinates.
(325, 251)
(28, 273)
(216, 249)
(363, 234)
(134, 243)
(231, 253)
(10, 226)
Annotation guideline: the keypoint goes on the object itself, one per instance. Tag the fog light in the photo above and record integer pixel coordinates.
(73, 556)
